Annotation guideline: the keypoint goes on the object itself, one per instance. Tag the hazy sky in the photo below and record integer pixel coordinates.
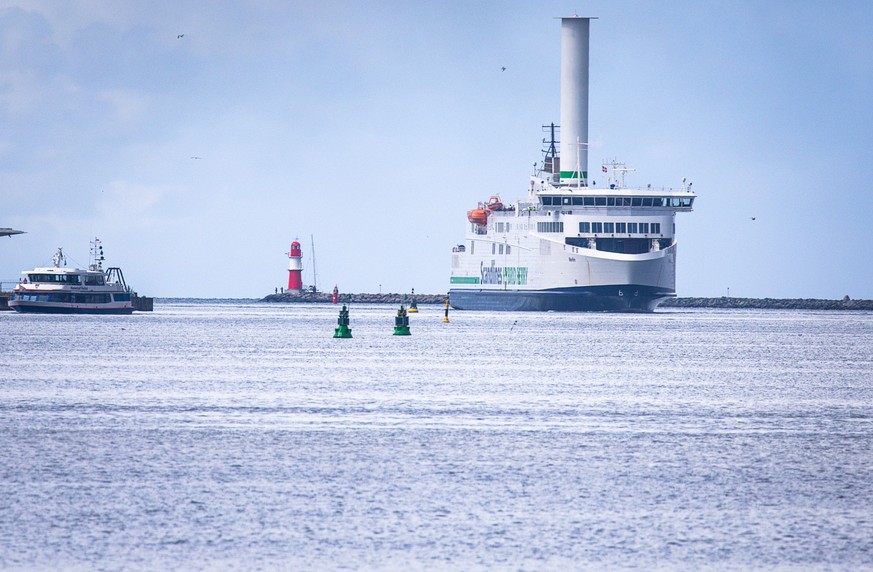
(375, 126)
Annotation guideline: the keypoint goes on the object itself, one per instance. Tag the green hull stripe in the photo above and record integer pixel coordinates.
(464, 280)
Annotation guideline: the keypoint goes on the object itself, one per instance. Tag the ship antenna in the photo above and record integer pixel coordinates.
(59, 257)
(97, 257)
(550, 153)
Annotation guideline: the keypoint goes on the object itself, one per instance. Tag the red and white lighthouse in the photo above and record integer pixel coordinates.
(295, 268)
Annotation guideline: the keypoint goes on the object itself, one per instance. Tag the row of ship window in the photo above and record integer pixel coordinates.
(87, 279)
(617, 201)
(73, 298)
(604, 227)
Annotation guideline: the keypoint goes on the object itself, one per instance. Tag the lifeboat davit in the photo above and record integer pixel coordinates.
(478, 216)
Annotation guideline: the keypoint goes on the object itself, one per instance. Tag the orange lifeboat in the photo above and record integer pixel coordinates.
(494, 203)
(478, 216)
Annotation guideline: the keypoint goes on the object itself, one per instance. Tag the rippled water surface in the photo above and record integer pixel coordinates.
(243, 436)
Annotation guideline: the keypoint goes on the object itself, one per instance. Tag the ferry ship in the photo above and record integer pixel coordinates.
(61, 290)
(570, 244)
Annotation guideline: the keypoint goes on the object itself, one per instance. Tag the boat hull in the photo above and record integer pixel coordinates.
(618, 298)
(66, 309)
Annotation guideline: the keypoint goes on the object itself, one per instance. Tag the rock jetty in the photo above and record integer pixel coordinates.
(769, 303)
(321, 297)
(722, 302)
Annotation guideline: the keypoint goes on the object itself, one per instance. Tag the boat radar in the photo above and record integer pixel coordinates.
(295, 268)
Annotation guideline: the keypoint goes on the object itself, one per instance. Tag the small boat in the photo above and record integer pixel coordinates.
(61, 290)
(478, 215)
(494, 203)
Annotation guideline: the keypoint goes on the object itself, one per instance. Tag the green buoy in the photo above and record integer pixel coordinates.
(401, 323)
(342, 330)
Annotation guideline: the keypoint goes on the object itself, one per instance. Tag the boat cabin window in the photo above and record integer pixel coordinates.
(586, 227)
(94, 280)
(550, 226)
(677, 202)
(57, 278)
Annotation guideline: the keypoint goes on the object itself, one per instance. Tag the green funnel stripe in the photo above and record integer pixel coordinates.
(573, 174)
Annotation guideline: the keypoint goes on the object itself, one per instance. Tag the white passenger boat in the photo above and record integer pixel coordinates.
(571, 244)
(61, 290)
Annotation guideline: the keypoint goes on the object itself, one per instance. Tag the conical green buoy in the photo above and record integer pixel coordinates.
(342, 330)
(401, 323)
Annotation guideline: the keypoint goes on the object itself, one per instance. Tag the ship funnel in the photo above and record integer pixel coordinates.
(574, 100)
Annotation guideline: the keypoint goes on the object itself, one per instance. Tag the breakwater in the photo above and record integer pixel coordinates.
(768, 303)
(721, 302)
(321, 297)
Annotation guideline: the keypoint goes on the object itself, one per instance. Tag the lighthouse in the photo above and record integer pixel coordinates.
(295, 268)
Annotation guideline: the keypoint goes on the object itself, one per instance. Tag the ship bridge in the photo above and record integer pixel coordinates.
(632, 198)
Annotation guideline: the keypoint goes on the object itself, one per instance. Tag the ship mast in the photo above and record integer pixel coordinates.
(97, 257)
(314, 271)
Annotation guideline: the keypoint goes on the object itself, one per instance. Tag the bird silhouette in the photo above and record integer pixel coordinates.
(180, 36)
(751, 217)
(503, 68)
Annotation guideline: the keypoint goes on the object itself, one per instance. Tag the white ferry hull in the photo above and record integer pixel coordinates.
(568, 280)
(61, 308)
(622, 298)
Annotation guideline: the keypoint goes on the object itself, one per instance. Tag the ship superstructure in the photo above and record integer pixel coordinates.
(570, 245)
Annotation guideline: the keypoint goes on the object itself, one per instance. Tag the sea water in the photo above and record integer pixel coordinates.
(239, 435)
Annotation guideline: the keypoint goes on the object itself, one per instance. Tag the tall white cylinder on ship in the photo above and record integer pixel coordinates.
(574, 100)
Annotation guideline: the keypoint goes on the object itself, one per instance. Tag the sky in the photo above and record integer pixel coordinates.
(197, 140)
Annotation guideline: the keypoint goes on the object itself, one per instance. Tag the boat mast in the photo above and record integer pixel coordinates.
(59, 257)
(97, 257)
(314, 271)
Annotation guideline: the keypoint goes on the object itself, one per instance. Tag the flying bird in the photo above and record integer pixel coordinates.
(196, 157)
(503, 68)
(180, 36)
(751, 217)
